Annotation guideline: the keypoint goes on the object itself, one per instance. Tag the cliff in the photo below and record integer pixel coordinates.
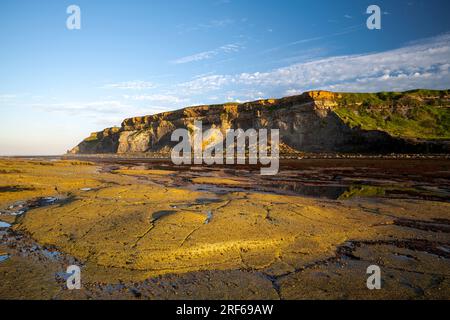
(316, 121)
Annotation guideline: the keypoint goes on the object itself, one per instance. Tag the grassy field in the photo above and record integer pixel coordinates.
(422, 114)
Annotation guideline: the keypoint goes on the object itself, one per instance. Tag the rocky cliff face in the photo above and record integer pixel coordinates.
(316, 121)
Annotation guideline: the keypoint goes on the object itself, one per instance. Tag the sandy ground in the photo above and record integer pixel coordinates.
(152, 231)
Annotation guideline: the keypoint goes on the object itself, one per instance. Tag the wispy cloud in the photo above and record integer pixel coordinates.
(7, 99)
(7, 96)
(85, 108)
(208, 83)
(424, 64)
(218, 23)
(130, 85)
(322, 37)
(228, 48)
(101, 112)
(206, 26)
(161, 98)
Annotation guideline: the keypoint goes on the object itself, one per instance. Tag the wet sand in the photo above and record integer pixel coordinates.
(143, 229)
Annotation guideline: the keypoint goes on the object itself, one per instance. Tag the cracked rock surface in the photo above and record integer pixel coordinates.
(143, 232)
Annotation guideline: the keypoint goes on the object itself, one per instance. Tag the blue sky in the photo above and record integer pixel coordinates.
(139, 57)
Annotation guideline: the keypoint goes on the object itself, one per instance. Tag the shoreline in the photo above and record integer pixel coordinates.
(286, 157)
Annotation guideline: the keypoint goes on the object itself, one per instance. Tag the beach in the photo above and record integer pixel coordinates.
(146, 229)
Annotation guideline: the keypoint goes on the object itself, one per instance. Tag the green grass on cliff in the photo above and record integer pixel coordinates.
(423, 114)
(91, 139)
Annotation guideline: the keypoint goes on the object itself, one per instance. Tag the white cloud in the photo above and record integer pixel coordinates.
(130, 85)
(292, 92)
(424, 64)
(205, 26)
(86, 108)
(107, 111)
(219, 23)
(164, 98)
(207, 83)
(240, 95)
(7, 98)
(306, 40)
(229, 48)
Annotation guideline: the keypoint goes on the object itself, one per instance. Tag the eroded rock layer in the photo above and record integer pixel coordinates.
(316, 121)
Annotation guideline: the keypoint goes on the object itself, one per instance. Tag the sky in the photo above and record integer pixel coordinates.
(133, 58)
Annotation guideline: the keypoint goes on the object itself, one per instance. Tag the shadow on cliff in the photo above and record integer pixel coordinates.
(306, 125)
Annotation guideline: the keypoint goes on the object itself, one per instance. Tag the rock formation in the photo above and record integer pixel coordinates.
(315, 121)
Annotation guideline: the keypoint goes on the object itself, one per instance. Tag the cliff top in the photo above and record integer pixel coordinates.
(421, 113)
